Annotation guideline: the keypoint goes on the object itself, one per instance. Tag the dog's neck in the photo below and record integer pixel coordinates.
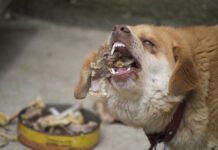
(153, 114)
(170, 130)
(149, 108)
(194, 118)
(160, 109)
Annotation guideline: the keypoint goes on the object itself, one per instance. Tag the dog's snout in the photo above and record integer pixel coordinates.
(121, 29)
(120, 33)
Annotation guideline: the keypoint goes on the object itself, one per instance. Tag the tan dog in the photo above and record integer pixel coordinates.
(172, 65)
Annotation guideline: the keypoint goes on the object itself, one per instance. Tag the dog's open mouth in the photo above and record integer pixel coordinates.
(123, 63)
(117, 65)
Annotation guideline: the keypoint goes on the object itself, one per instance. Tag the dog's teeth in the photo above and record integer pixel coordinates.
(128, 69)
(121, 45)
(112, 70)
(117, 44)
(113, 49)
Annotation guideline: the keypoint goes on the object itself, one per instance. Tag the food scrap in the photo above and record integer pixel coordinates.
(33, 109)
(3, 119)
(50, 120)
(108, 63)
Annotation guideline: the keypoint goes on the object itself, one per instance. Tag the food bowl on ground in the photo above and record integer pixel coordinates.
(50, 140)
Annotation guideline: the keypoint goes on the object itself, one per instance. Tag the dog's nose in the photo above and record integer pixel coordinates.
(120, 33)
(120, 29)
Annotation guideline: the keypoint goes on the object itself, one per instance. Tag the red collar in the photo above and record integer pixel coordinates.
(170, 130)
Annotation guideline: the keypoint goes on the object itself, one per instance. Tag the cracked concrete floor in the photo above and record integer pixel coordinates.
(43, 59)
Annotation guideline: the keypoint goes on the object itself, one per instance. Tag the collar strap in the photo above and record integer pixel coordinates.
(170, 129)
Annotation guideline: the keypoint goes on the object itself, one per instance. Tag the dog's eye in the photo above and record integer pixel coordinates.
(148, 43)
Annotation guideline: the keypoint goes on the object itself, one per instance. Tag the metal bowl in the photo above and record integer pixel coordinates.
(46, 141)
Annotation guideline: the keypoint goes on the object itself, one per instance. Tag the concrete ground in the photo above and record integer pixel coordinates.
(43, 59)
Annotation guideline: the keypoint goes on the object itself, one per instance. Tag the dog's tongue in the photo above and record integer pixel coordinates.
(124, 74)
(121, 70)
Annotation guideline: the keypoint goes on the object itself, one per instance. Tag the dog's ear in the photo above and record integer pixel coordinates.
(184, 77)
(84, 83)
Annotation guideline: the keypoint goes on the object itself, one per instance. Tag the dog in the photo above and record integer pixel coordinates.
(175, 72)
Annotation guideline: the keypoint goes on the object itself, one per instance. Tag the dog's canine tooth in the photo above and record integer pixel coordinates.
(113, 49)
(128, 69)
(117, 44)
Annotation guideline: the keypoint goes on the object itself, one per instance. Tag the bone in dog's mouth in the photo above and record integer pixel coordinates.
(125, 62)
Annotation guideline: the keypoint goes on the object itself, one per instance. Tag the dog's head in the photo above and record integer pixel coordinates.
(162, 60)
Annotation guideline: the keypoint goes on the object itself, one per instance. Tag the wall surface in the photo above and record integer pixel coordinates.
(178, 12)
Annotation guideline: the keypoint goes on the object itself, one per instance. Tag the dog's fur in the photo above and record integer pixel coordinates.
(183, 65)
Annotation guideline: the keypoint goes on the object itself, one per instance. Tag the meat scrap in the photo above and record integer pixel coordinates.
(106, 62)
(69, 121)
(3, 119)
(85, 128)
(104, 67)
